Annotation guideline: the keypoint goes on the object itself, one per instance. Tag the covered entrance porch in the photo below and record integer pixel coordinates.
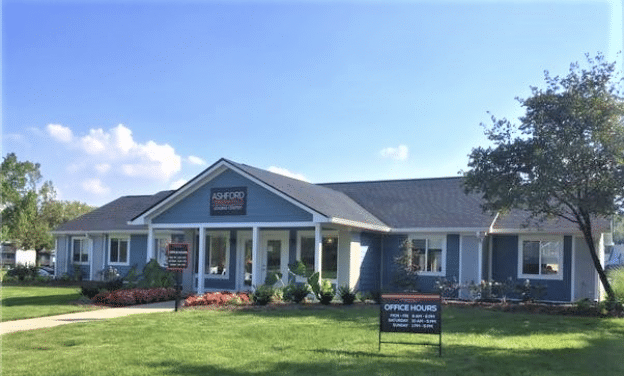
(239, 257)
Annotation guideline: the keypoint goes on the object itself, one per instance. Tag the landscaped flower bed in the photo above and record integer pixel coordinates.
(121, 298)
(217, 299)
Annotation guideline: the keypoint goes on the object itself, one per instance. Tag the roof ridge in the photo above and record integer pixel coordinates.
(391, 180)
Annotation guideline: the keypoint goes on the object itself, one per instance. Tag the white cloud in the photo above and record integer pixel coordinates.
(96, 142)
(102, 168)
(60, 133)
(95, 186)
(196, 160)
(117, 150)
(177, 184)
(399, 153)
(285, 172)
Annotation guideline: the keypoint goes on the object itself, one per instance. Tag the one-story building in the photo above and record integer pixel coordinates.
(243, 223)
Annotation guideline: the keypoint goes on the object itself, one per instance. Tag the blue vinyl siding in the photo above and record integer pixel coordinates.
(391, 249)
(371, 262)
(262, 205)
(505, 267)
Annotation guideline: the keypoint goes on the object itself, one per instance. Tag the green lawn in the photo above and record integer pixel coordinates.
(22, 302)
(317, 341)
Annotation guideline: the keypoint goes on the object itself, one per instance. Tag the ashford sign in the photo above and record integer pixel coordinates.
(228, 201)
(411, 313)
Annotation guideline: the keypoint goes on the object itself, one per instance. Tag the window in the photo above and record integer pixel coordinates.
(329, 262)
(118, 250)
(427, 255)
(217, 254)
(160, 247)
(540, 257)
(80, 250)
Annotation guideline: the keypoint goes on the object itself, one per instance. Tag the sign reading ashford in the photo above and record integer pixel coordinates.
(228, 201)
(411, 313)
(177, 256)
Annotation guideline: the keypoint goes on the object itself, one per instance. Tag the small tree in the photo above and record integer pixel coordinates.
(30, 210)
(406, 273)
(566, 157)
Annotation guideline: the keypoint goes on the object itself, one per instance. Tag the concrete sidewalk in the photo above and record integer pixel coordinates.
(95, 315)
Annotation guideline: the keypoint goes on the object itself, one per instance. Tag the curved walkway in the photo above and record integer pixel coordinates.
(68, 318)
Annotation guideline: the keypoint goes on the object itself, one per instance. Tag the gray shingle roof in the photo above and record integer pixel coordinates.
(329, 202)
(113, 216)
(400, 204)
(418, 203)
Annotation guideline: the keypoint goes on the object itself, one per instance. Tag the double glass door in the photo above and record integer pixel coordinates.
(272, 254)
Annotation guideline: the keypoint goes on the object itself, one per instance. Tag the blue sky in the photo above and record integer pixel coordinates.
(133, 97)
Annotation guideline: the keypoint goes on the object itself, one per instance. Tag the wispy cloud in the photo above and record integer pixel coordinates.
(60, 133)
(285, 172)
(177, 184)
(95, 186)
(399, 153)
(196, 160)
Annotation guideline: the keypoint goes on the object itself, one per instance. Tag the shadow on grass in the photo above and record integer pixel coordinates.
(40, 300)
(402, 360)
(454, 320)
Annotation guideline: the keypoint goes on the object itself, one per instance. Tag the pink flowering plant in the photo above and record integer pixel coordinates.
(218, 299)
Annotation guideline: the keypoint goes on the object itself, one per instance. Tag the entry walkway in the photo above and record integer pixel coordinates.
(95, 315)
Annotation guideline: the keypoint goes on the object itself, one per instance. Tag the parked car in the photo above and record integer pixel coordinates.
(46, 271)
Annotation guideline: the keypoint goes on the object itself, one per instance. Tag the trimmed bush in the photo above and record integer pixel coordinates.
(347, 294)
(296, 292)
(121, 298)
(263, 295)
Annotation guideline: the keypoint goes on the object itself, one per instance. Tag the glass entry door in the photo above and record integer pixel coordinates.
(274, 251)
(245, 260)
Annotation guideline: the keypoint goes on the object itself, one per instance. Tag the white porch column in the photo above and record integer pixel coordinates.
(318, 249)
(91, 257)
(201, 262)
(150, 243)
(255, 265)
(480, 237)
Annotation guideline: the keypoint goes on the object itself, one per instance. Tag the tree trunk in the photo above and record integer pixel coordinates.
(589, 239)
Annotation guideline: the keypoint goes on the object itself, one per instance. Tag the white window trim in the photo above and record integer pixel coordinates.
(208, 254)
(310, 234)
(540, 238)
(110, 241)
(85, 244)
(441, 273)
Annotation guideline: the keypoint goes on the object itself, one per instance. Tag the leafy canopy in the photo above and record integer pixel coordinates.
(566, 157)
(30, 209)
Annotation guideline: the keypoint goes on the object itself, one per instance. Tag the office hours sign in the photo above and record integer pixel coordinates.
(411, 313)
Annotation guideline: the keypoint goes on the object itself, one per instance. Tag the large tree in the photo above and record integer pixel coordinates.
(565, 159)
(30, 209)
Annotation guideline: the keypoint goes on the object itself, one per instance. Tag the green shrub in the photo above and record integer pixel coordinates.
(90, 291)
(155, 276)
(347, 294)
(616, 277)
(23, 272)
(296, 292)
(529, 292)
(263, 295)
(327, 292)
